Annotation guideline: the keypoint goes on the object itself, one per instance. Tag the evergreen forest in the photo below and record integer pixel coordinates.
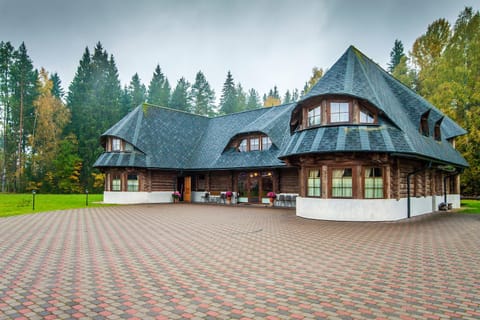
(49, 136)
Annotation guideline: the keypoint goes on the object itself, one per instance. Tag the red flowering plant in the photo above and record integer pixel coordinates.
(228, 194)
(176, 195)
(271, 195)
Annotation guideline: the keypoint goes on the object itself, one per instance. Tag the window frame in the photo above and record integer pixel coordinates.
(135, 185)
(114, 145)
(315, 186)
(113, 184)
(353, 191)
(315, 115)
(244, 144)
(267, 145)
(363, 110)
(375, 187)
(349, 111)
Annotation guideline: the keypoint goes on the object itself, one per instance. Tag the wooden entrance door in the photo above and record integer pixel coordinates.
(187, 195)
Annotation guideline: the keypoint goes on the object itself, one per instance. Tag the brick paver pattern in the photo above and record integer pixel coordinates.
(216, 262)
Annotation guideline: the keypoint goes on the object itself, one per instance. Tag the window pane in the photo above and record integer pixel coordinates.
(314, 183)
(339, 112)
(342, 183)
(132, 182)
(243, 146)
(373, 184)
(116, 143)
(266, 143)
(254, 144)
(366, 116)
(314, 116)
(116, 183)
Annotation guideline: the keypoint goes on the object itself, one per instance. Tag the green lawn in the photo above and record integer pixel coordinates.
(470, 206)
(14, 204)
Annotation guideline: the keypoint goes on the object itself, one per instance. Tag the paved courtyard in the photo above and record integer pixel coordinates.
(217, 262)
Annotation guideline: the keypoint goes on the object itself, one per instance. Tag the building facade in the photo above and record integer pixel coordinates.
(360, 146)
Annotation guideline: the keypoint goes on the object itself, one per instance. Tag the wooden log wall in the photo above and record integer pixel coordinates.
(162, 181)
(221, 181)
(288, 180)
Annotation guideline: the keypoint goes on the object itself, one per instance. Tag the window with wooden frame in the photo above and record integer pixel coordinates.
(314, 116)
(366, 116)
(342, 183)
(314, 185)
(373, 183)
(116, 144)
(132, 182)
(116, 182)
(253, 143)
(266, 143)
(339, 112)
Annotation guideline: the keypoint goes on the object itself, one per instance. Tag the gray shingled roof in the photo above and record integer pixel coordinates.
(398, 131)
(169, 139)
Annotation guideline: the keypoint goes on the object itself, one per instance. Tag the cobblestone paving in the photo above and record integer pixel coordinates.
(216, 262)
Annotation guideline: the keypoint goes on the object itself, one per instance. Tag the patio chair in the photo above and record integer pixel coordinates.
(288, 199)
(206, 197)
(281, 199)
(222, 198)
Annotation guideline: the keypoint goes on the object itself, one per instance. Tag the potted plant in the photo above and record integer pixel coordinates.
(271, 195)
(176, 196)
(229, 195)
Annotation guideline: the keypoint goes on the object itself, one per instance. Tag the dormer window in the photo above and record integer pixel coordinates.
(339, 112)
(119, 145)
(315, 116)
(252, 142)
(366, 116)
(424, 124)
(333, 111)
(116, 144)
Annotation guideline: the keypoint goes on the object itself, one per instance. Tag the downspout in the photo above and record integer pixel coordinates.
(408, 185)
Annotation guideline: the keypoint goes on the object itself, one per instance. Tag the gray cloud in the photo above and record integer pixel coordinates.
(263, 43)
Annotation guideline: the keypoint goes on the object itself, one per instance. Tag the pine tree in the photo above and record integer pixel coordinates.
(159, 89)
(288, 97)
(228, 100)
(57, 90)
(203, 96)
(395, 55)
(7, 54)
(137, 92)
(24, 78)
(95, 99)
(181, 99)
(253, 100)
(241, 98)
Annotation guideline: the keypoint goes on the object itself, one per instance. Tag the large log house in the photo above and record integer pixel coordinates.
(359, 146)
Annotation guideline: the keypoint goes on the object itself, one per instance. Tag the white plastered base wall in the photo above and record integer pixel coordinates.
(369, 210)
(137, 197)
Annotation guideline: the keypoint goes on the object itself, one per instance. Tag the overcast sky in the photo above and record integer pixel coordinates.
(263, 43)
